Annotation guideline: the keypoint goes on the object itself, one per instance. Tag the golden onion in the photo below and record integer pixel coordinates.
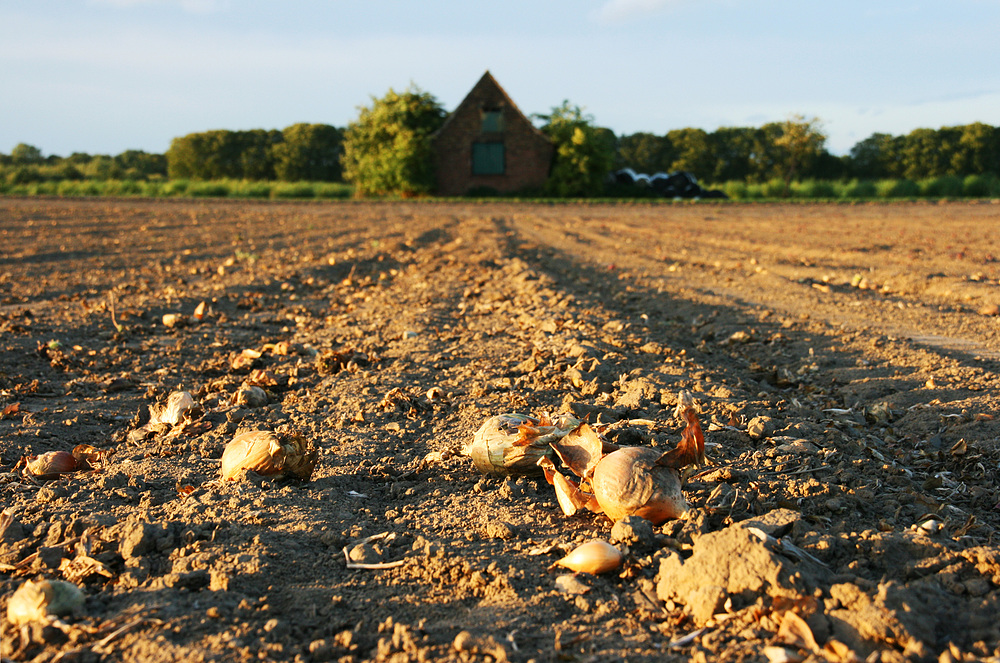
(630, 482)
(269, 454)
(51, 464)
(592, 557)
(513, 443)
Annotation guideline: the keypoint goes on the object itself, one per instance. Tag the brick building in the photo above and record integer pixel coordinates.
(487, 143)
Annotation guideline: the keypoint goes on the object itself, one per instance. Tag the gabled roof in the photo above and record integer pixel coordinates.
(488, 81)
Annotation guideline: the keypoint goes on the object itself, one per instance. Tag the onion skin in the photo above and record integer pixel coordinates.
(629, 482)
(171, 412)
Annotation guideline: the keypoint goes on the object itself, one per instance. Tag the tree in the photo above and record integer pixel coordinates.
(644, 153)
(799, 144)
(388, 148)
(733, 151)
(26, 155)
(978, 150)
(584, 154)
(693, 152)
(223, 154)
(308, 152)
(875, 157)
(103, 167)
(140, 165)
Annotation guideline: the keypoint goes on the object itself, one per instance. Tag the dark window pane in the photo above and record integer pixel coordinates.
(492, 121)
(487, 159)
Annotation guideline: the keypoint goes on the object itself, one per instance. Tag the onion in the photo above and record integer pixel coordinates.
(592, 557)
(269, 454)
(51, 464)
(41, 600)
(514, 443)
(630, 482)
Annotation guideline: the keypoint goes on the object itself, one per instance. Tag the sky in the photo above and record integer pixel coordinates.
(105, 76)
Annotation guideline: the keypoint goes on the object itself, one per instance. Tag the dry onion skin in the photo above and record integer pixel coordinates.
(593, 557)
(512, 444)
(171, 412)
(630, 482)
(268, 454)
(42, 600)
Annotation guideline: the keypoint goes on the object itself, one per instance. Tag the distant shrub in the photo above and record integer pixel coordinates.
(79, 188)
(24, 175)
(735, 189)
(333, 190)
(813, 189)
(774, 188)
(249, 189)
(153, 188)
(860, 189)
(208, 189)
(121, 188)
(175, 187)
(293, 190)
(945, 186)
(897, 189)
(981, 186)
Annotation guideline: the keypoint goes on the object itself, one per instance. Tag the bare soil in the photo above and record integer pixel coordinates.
(844, 359)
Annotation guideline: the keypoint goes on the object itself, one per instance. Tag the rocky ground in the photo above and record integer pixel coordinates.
(844, 360)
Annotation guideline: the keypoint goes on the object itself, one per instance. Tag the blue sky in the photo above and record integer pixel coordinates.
(104, 76)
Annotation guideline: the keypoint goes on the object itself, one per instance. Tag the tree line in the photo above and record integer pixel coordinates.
(760, 154)
(300, 152)
(386, 150)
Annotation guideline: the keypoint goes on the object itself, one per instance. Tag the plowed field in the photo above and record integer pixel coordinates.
(843, 358)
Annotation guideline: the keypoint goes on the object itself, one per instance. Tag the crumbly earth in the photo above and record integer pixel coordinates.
(844, 360)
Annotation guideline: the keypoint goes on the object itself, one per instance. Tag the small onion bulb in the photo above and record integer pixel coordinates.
(592, 557)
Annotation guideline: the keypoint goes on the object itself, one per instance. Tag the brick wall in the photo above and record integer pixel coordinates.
(527, 152)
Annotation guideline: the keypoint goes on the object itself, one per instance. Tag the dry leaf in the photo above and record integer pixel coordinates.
(795, 631)
(10, 410)
(89, 457)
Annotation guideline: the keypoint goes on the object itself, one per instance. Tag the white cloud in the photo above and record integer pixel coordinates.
(619, 11)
